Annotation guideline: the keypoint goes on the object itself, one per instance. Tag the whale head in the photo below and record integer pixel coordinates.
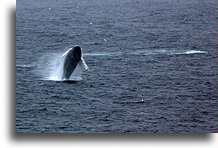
(76, 52)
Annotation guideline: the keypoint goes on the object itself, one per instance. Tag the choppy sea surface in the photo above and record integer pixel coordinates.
(153, 66)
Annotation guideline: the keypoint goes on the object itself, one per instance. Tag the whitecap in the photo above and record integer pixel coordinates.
(25, 65)
(104, 54)
(194, 51)
(167, 52)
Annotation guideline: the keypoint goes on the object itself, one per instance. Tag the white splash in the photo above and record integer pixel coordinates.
(57, 70)
(50, 67)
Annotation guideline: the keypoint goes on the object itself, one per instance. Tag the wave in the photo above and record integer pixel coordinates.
(104, 54)
(167, 52)
(147, 52)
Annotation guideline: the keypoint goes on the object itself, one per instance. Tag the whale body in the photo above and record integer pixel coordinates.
(72, 58)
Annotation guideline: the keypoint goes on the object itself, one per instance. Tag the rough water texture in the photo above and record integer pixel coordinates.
(153, 66)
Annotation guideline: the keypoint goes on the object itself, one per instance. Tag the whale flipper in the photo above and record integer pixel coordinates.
(83, 64)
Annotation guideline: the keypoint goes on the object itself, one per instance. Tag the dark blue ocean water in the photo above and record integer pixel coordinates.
(153, 66)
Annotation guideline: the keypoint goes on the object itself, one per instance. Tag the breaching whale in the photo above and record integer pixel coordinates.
(72, 58)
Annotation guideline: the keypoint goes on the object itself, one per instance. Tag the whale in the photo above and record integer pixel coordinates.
(72, 58)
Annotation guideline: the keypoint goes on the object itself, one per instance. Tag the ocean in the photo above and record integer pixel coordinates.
(152, 66)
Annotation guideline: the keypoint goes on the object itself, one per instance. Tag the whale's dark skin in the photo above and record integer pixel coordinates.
(71, 61)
